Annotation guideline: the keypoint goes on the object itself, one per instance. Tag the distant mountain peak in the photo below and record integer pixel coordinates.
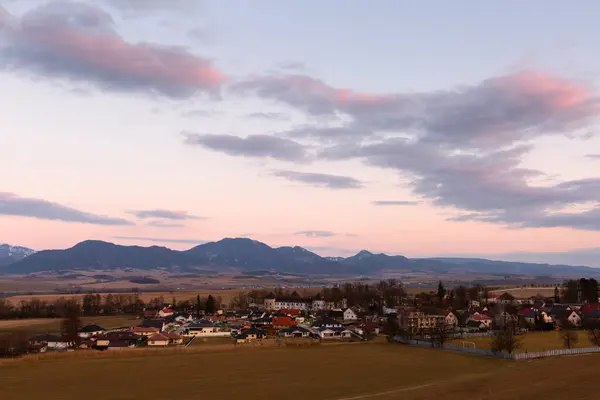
(10, 254)
(363, 254)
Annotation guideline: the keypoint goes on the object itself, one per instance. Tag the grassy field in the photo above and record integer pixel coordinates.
(50, 325)
(344, 372)
(534, 342)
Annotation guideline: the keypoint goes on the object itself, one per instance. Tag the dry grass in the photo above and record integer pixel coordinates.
(43, 325)
(380, 371)
(534, 342)
(525, 293)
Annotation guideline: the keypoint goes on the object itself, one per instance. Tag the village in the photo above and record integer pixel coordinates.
(433, 317)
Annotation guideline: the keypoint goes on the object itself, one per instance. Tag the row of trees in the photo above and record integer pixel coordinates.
(95, 304)
(580, 291)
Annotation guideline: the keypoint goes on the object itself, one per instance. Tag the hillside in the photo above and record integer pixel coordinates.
(247, 255)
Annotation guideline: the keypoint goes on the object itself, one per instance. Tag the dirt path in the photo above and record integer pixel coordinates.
(394, 391)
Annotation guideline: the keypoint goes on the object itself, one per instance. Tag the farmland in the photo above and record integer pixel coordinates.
(381, 371)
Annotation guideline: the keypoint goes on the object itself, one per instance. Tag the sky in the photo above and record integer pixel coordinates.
(417, 128)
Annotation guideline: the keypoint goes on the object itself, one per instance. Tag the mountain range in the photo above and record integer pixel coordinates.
(242, 254)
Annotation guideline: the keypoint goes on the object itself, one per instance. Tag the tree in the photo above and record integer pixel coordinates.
(71, 324)
(461, 297)
(210, 307)
(198, 306)
(441, 292)
(569, 337)
(556, 295)
(392, 326)
(505, 340)
(594, 335)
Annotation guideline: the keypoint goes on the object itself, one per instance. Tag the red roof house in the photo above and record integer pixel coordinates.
(283, 322)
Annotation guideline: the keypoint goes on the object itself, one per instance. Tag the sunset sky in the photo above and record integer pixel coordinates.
(416, 128)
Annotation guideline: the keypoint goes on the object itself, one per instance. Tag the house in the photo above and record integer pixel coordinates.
(283, 322)
(334, 333)
(120, 345)
(166, 312)
(149, 314)
(52, 342)
(414, 321)
(116, 339)
(158, 340)
(350, 314)
(153, 323)
(336, 313)
(182, 317)
(206, 328)
(262, 321)
(293, 301)
(174, 338)
(566, 317)
(326, 323)
(450, 319)
(482, 320)
(251, 334)
(88, 331)
(145, 331)
(291, 312)
(294, 332)
(243, 314)
(507, 298)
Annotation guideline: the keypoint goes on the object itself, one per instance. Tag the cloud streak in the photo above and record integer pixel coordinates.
(163, 224)
(316, 234)
(254, 146)
(163, 214)
(394, 203)
(13, 205)
(320, 180)
(77, 41)
(159, 240)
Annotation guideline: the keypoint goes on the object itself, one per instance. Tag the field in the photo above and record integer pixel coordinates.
(534, 342)
(50, 325)
(343, 372)
(525, 293)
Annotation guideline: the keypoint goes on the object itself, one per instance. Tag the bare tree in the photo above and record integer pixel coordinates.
(505, 340)
(569, 336)
(594, 335)
(71, 324)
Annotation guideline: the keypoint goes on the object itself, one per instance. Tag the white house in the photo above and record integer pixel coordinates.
(158, 340)
(165, 312)
(483, 319)
(205, 328)
(183, 317)
(568, 316)
(292, 302)
(88, 331)
(350, 315)
(334, 333)
(53, 342)
(450, 319)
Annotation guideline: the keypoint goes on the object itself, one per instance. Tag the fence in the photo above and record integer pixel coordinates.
(489, 353)
(552, 353)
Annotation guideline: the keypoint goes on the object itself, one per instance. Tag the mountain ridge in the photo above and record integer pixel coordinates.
(250, 255)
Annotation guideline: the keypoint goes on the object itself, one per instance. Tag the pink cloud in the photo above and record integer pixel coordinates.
(78, 42)
(556, 93)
